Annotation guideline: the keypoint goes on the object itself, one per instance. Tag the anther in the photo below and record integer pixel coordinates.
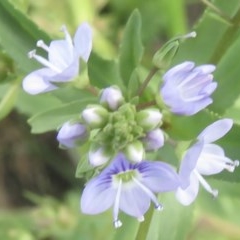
(159, 207)
(41, 43)
(214, 193)
(32, 53)
(141, 219)
(117, 223)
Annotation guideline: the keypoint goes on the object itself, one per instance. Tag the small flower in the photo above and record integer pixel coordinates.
(154, 140)
(70, 133)
(186, 89)
(149, 118)
(204, 158)
(95, 116)
(128, 187)
(112, 97)
(63, 60)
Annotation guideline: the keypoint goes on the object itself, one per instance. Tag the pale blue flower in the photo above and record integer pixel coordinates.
(62, 64)
(128, 187)
(186, 89)
(71, 133)
(204, 158)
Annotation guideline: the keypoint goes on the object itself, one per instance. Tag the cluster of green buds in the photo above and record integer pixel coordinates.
(115, 126)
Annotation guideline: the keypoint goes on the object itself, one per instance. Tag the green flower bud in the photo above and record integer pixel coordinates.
(135, 151)
(98, 155)
(149, 119)
(95, 116)
(163, 57)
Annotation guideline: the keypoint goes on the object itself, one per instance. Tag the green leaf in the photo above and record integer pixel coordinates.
(54, 118)
(18, 35)
(8, 100)
(103, 73)
(83, 167)
(131, 49)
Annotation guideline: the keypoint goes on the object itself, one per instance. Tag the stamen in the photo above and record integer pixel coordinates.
(205, 184)
(149, 193)
(117, 223)
(41, 44)
(67, 35)
(43, 61)
(190, 35)
(141, 219)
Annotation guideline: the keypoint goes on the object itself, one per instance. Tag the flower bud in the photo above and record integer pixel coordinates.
(69, 134)
(95, 116)
(154, 140)
(112, 98)
(97, 156)
(134, 151)
(149, 119)
(163, 57)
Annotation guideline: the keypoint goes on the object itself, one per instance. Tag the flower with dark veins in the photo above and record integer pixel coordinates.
(128, 187)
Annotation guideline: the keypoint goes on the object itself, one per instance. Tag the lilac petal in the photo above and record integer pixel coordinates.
(67, 74)
(134, 201)
(83, 41)
(36, 82)
(212, 160)
(189, 163)
(60, 53)
(183, 67)
(98, 196)
(206, 69)
(216, 130)
(187, 196)
(70, 133)
(158, 176)
(154, 140)
(209, 89)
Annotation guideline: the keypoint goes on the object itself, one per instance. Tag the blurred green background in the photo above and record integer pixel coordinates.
(39, 195)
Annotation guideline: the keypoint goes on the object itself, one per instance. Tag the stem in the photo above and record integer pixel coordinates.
(146, 81)
(146, 105)
(144, 226)
(218, 11)
(92, 90)
(227, 39)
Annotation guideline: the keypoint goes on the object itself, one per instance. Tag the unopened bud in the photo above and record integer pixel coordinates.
(95, 116)
(154, 140)
(98, 156)
(149, 119)
(71, 133)
(112, 98)
(134, 151)
(163, 57)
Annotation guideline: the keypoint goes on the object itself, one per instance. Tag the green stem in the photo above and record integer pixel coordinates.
(146, 105)
(227, 39)
(218, 11)
(92, 90)
(146, 81)
(144, 226)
